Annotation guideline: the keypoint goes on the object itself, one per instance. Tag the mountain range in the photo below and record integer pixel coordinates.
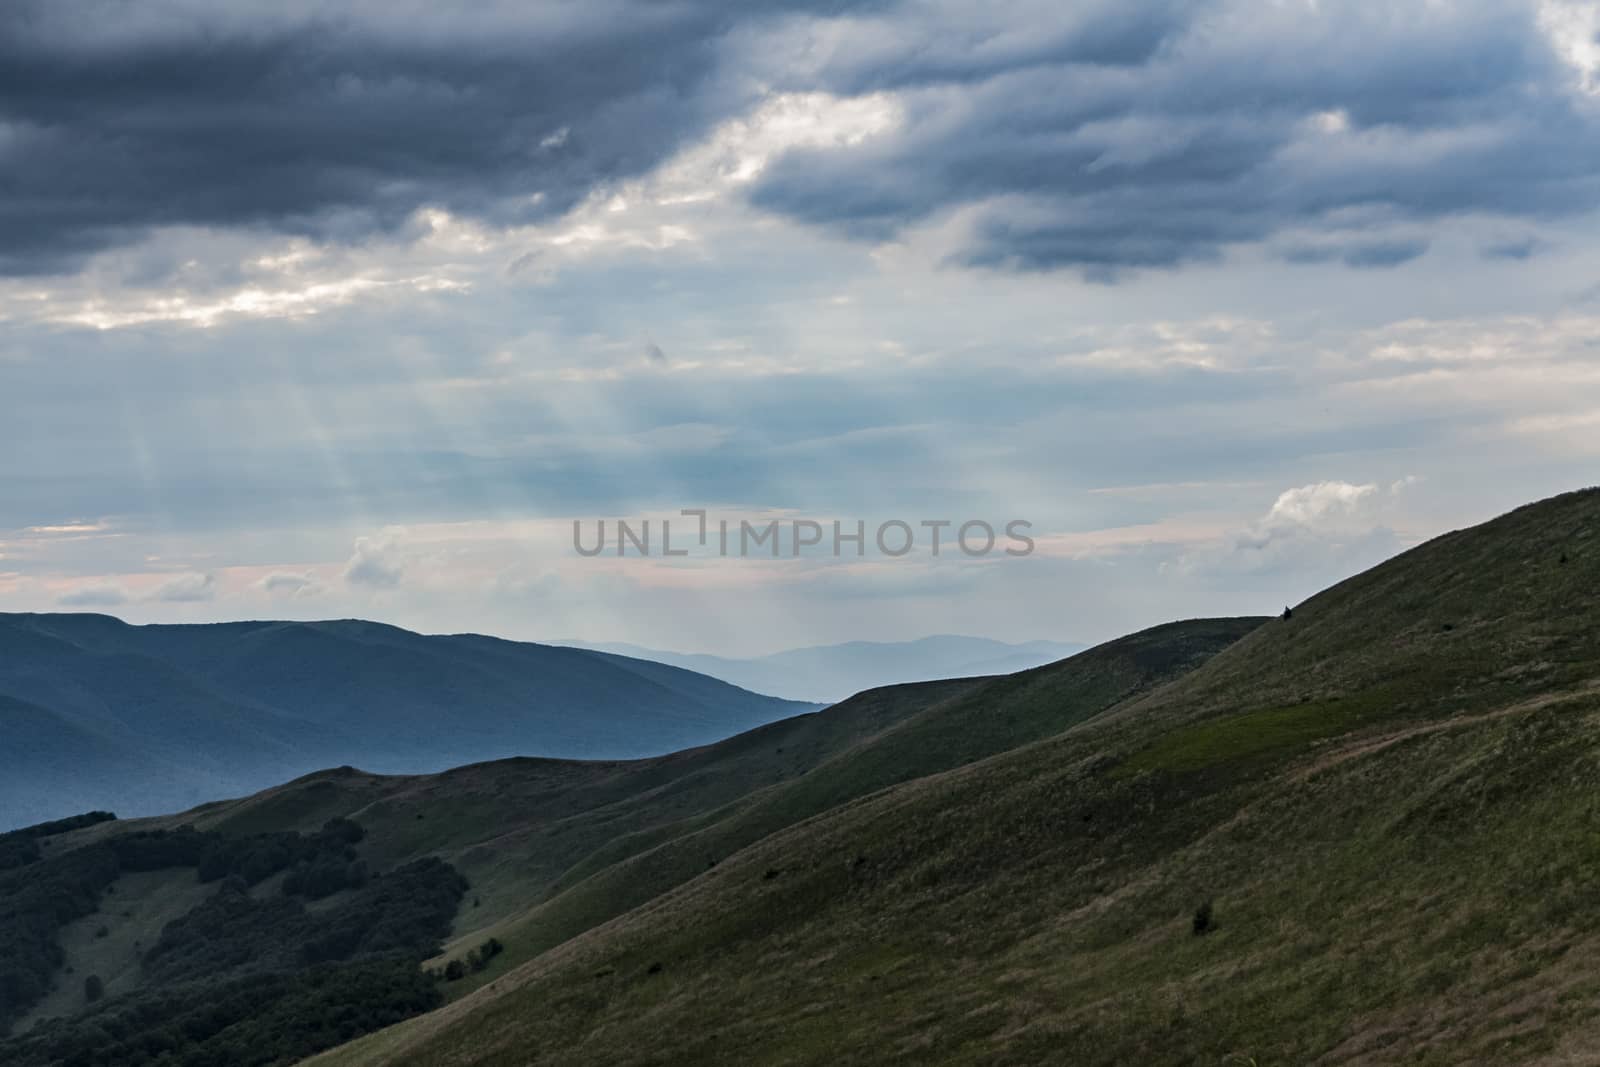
(1361, 833)
(145, 719)
(829, 673)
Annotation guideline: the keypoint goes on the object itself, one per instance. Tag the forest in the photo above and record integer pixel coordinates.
(245, 977)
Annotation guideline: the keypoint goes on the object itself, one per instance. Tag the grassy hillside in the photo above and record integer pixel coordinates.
(1365, 834)
(552, 848)
(635, 865)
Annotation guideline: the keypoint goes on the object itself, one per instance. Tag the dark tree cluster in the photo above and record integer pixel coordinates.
(228, 931)
(407, 911)
(17, 851)
(39, 895)
(18, 848)
(36, 901)
(254, 1021)
(325, 875)
(70, 823)
(259, 856)
(239, 980)
(476, 961)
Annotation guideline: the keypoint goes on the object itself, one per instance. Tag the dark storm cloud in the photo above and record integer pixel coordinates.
(1102, 138)
(1099, 136)
(1359, 254)
(336, 120)
(1515, 248)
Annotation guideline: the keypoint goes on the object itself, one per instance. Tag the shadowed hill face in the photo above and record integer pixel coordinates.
(167, 716)
(517, 827)
(1400, 882)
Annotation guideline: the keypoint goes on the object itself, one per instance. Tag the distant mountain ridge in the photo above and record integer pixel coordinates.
(98, 713)
(830, 673)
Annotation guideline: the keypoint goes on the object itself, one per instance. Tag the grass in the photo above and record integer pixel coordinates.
(1257, 737)
(1389, 800)
(635, 868)
(109, 943)
(554, 848)
(1395, 820)
(1418, 927)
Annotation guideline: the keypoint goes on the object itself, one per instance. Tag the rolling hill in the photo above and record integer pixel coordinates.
(146, 719)
(554, 847)
(1379, 814)
(1365, 833)
(829, 673)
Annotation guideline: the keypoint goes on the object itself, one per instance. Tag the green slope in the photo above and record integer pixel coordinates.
(1000, 714)
(555, 847)
(1389, 802)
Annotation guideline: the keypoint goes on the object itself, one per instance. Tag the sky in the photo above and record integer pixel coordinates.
(315, 310)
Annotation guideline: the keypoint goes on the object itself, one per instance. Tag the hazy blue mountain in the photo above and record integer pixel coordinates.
(829, 673)
(95, 713)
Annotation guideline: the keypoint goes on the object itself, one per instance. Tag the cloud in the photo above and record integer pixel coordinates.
(1098, 136)
(1361, 253)
(1103, 137)
(1517, 248)
(283, 584)
(74, 527)
(114, 121)
(1318, 506)
(372, 565)
(1317, 522)
(187, 589)
(99, 595)
(1322, 528)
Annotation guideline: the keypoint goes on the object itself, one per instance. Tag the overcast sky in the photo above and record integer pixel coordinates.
(351, 309)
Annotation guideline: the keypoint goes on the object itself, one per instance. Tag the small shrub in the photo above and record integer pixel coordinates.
(93, 988)
(1203, 921)
(479, 957)
(454, 971)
